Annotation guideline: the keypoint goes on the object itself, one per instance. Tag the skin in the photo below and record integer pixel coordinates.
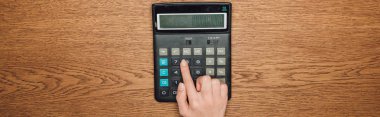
(207, 99)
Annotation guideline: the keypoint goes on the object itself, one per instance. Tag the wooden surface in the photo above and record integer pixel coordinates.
(95, 58)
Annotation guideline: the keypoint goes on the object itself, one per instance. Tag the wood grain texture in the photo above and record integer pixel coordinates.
(95, 58)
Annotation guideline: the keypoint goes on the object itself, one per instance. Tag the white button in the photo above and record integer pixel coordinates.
(221, 71)
(221, 51)
(186, 51)
(221, 61)
(210, 51)
(163, 51)
(197, 51)
(175, 51)
(210, 71)
(210, 61)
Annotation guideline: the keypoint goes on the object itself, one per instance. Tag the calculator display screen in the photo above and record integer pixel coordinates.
(191, 21)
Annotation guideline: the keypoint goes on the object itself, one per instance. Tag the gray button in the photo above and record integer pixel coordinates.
(163, 51)
(221, 61)
(186, 51)
(210, 51)
(221, 51)
(210, 61)
(175, 51)
(221, 71)
(210, 71)
(197, 51)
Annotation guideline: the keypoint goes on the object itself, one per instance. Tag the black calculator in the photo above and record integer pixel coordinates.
(200, 33)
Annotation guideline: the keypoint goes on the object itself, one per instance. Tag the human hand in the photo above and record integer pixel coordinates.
(207, 99)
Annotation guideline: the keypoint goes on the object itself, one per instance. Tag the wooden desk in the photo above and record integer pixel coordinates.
(95, 58)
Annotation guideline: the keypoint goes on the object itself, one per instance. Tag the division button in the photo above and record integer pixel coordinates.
(163, 51)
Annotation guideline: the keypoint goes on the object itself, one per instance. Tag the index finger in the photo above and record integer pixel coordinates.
(188, 81)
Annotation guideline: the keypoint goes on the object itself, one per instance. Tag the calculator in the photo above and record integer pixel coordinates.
(199, 33)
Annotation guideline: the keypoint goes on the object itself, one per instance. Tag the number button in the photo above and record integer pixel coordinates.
(175, 83)
(210, 61)
(188, 60)
(221, 71)
(221, 61)
(197, 72)
(197, 62)
(164, 92)
(176, 72)
(210, 71)
(175, 61)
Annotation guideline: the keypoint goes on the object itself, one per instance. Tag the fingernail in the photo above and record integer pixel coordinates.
(183, 62)
(181, 88)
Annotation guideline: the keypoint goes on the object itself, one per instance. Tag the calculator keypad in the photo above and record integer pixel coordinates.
(205, 57)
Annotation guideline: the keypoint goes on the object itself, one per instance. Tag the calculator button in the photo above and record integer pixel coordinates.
(222, 80)
(221, 71)
(197, 62)
(175, 83)
(210, 61)
(175, 61)
(164, 92)
(188, 60)
(175, 51)
(176, 72)
(210, 71)
(221, 61)
(221, 51)
(163, 72)
(174, 92)
(197, 51)
(164, 82)
(186, 51)
(163, 51)
(210, 51)
(197, 72)
(163, 61)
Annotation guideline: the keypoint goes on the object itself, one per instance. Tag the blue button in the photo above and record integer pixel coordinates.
(163, 72)
(164, 82)
(163, 61)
